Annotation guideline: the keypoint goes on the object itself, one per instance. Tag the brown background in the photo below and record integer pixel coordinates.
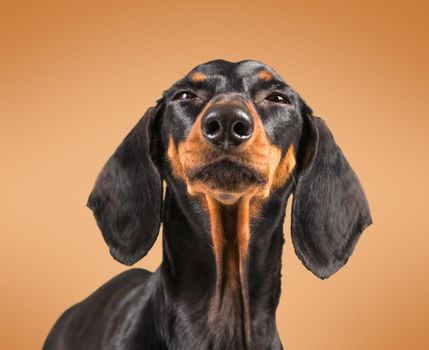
(75, 78)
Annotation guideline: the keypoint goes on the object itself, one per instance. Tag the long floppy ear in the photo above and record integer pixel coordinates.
(329, 210)
(127, 197)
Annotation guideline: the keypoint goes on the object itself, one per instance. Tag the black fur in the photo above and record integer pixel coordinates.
(172, 308)
(329, 210)
(126, 199)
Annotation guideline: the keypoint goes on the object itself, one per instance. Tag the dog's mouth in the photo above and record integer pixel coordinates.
(227, 175)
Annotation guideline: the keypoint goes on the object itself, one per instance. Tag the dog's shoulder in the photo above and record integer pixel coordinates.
(124, 282)
(101, 312)
(118, 292)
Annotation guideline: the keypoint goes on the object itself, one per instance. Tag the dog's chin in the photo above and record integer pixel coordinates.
(227, 181)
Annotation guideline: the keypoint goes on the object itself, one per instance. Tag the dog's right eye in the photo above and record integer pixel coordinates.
(184, 95)
(278, 98)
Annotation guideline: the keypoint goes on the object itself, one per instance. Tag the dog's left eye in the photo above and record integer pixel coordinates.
(278, 98)
(184, 95)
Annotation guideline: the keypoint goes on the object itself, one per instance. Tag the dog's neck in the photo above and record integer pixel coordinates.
(229, 229)
(224, 272)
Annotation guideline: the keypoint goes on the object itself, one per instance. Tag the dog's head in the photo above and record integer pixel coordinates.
(230, 131)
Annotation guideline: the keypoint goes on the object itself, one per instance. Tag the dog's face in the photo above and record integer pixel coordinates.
(232, 133)
(232, 130)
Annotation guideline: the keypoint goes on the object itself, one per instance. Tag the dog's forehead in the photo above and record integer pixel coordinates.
(233, 71)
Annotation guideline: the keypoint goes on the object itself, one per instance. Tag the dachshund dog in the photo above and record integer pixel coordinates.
(215, 161)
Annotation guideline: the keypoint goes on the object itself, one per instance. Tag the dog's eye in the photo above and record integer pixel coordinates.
(278, 98)
(184, 95)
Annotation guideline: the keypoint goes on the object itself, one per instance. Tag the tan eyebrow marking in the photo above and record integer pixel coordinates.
(265, 75)
(198, 77)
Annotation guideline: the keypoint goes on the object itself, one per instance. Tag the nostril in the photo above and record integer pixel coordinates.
(241, 129)
(212, 128)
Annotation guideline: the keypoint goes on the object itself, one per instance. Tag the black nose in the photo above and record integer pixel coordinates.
(227, 126)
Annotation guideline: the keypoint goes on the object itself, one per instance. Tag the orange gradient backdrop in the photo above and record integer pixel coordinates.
(76, 76)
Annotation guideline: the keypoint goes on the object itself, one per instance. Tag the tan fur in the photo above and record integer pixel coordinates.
(198, 77)
(265, 75)
(216, 233)
(175, 164)
(284, 169)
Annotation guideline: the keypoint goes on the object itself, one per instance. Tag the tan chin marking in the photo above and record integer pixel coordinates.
(226, 198)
